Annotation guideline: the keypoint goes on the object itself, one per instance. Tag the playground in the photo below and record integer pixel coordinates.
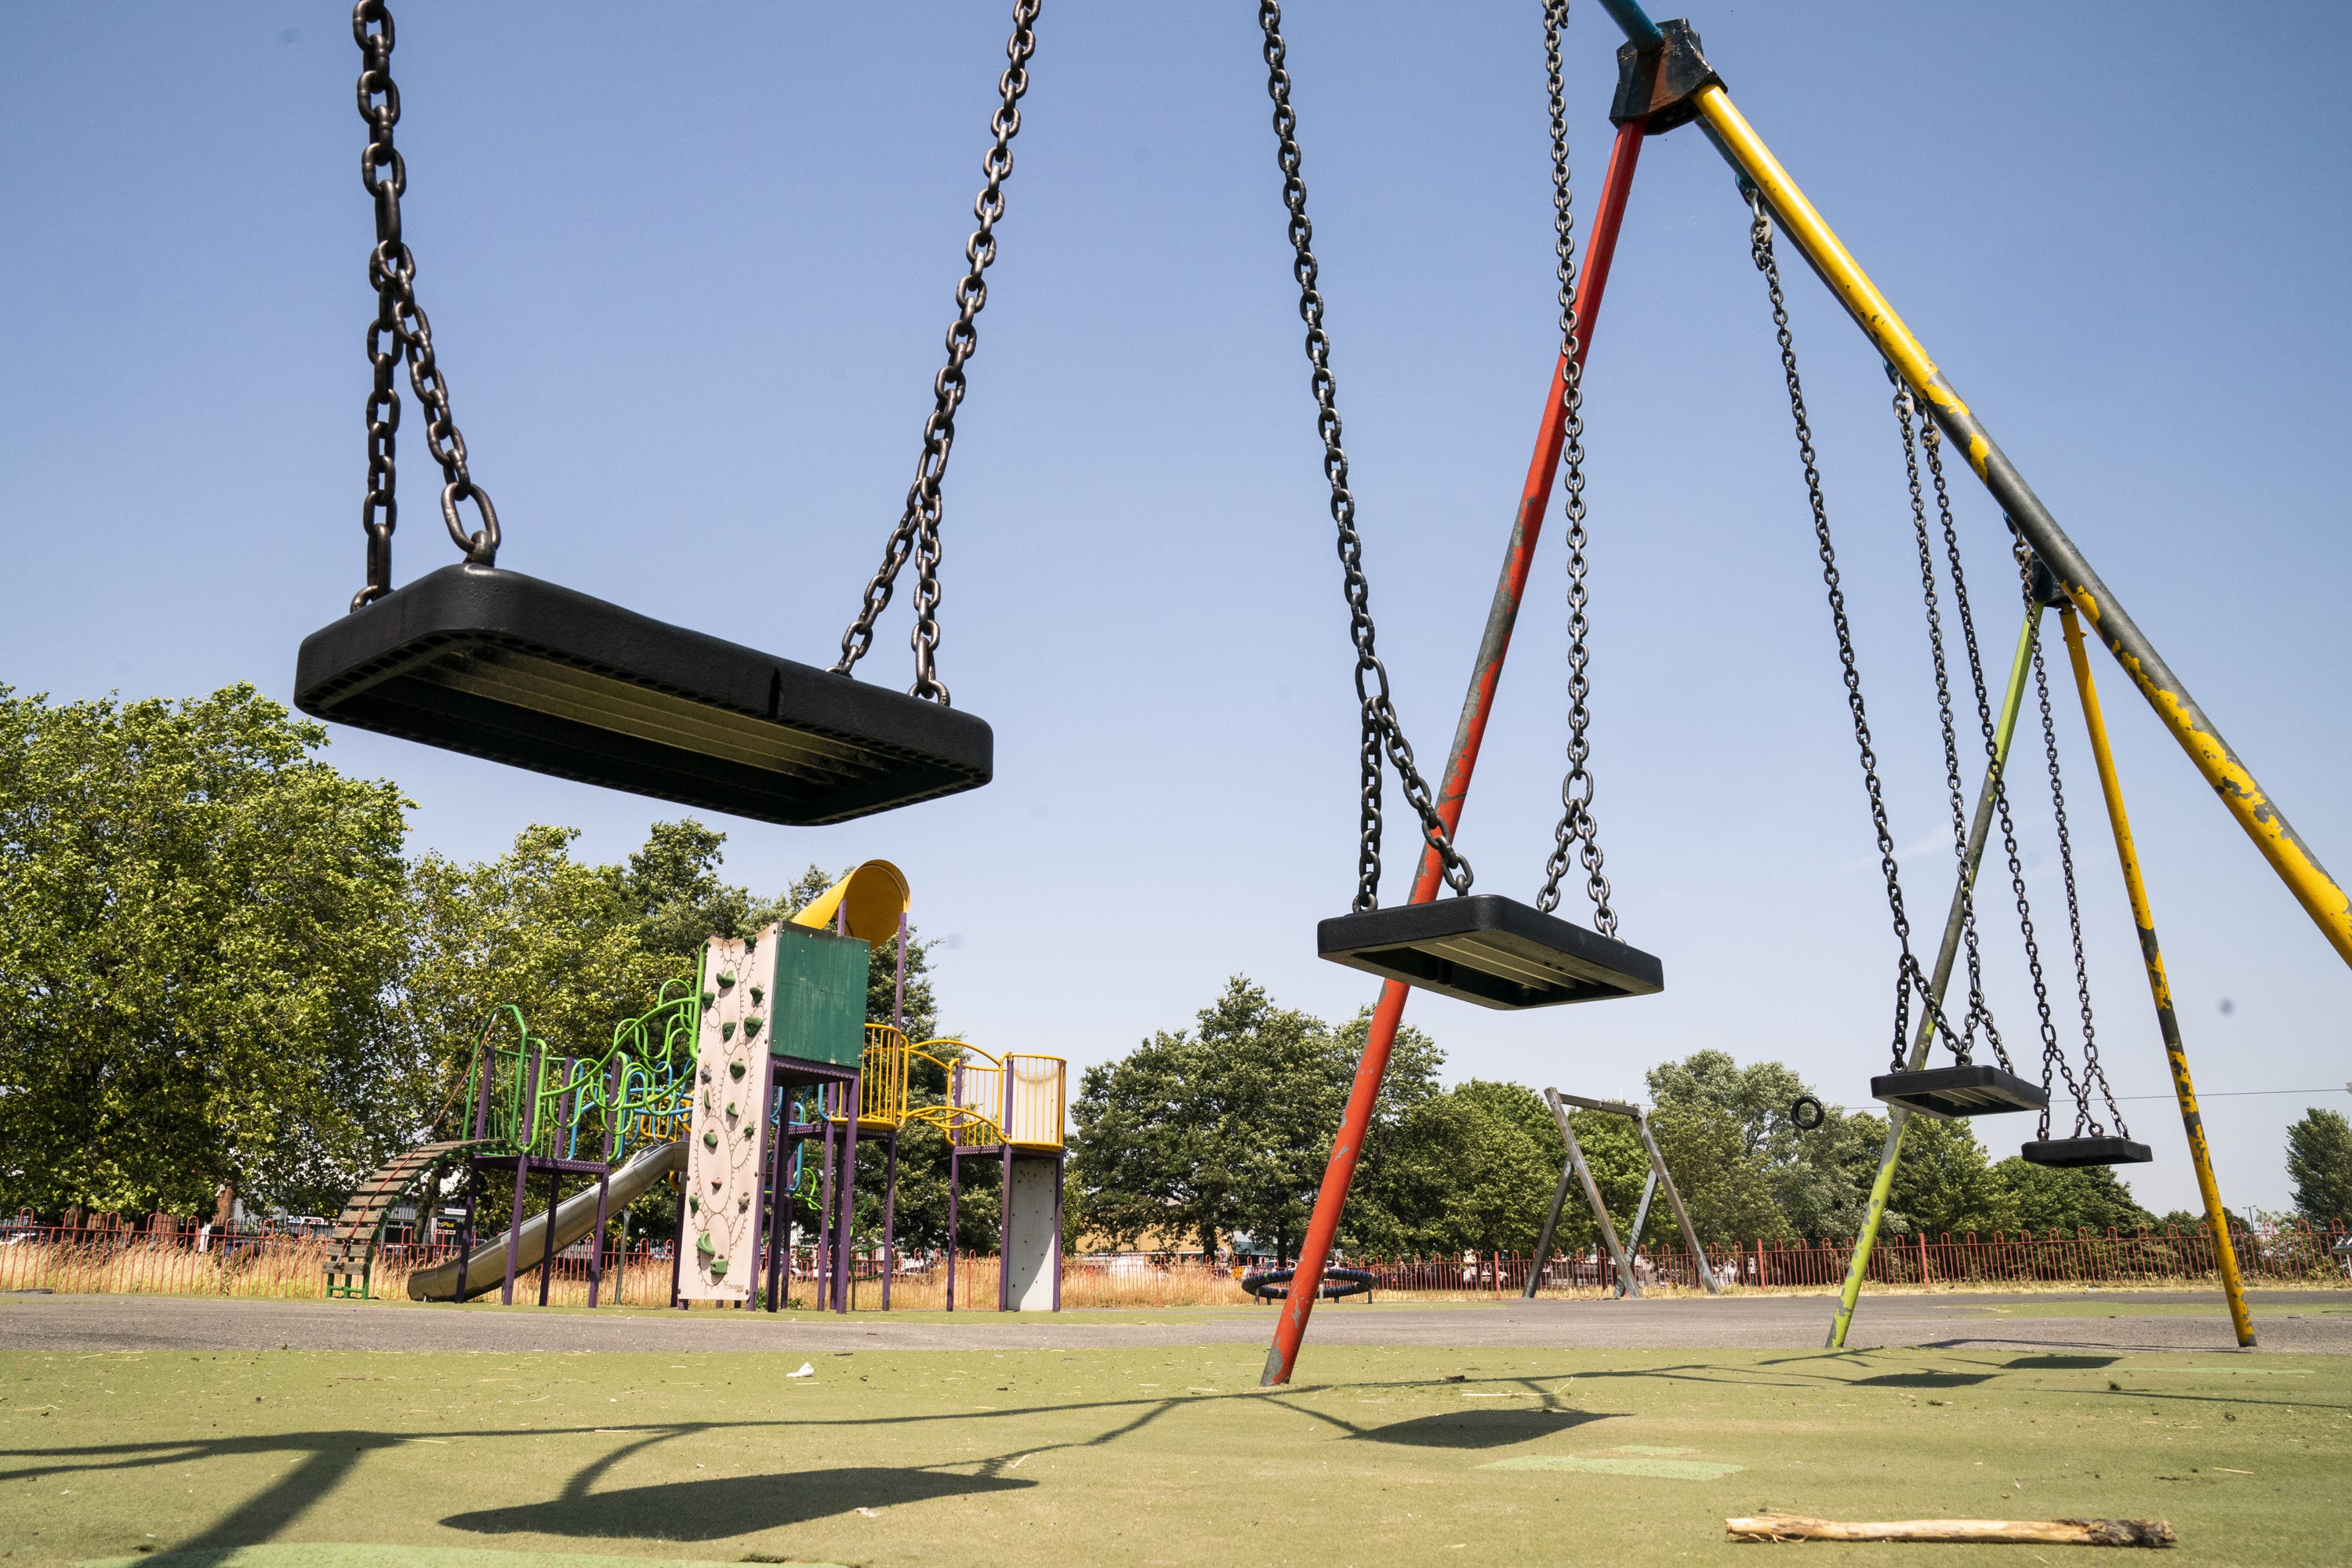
(690, 1235)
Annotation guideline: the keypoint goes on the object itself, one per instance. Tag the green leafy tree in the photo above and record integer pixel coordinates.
(1727, 1189)
(1226, 1128)
(1819, 1179)
(2043, 1198)
(1472, 1169)
(203, 919)
(1945, 1185)
(536, 929)
(2319, 1164)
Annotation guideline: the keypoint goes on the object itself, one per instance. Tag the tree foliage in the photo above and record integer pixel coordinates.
(2319, 1164)
(203, 923)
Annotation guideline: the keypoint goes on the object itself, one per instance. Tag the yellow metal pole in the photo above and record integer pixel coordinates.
(2021, 665)
(2261, 819)
(2200, 1154)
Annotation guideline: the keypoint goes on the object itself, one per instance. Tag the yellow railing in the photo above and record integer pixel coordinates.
(1019, 1097)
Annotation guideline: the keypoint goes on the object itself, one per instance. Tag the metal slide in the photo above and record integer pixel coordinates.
(575, 1217)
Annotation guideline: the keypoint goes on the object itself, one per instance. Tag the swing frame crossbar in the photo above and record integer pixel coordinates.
(1578, 1172)
(1710, 106)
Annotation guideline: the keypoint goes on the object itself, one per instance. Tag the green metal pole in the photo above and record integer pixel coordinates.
(1898, 1117)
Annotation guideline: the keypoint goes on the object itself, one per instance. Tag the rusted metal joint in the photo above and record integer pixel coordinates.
(1657, 85)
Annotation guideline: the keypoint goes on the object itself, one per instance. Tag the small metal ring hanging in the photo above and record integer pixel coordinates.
(481, 548)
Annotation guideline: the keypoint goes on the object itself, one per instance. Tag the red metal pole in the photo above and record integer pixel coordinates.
(1331, 1197)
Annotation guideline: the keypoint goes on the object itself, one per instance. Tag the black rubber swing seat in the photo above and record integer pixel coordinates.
(1971, 1089)
(1490, 950)
(2070, 1152)
(509, 668)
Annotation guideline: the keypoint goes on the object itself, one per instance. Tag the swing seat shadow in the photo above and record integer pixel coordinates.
(727, 1505)
(1925, 1380)
(1476, 1428)
(2060, 1363)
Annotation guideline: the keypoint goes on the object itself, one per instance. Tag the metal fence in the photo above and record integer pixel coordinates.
(165, 1257)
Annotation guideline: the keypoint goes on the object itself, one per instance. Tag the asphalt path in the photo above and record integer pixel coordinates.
(2303, 1321)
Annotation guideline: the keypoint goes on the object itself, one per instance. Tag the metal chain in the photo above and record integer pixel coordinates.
(1980, 1010)
(1909, 979)
(1381, 731)
(918, 533)
(401, 329)
(2093, 1073)
(1577, 825)
(1932, 442)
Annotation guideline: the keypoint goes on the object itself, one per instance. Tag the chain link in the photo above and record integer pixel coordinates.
(2094, 1075)
(1381, 731)
(1577, 828)
(918, 533)
(401, 330)
(1909, 979)
(1979, 1012)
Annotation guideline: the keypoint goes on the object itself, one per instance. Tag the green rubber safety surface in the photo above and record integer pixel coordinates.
(333, 1555)
(1140, 1457)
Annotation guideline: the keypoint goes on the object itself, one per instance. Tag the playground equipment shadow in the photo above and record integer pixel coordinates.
(2317, 1321)
(1161, 1456)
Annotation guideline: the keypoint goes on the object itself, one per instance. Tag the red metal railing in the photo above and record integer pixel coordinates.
(105, 1256)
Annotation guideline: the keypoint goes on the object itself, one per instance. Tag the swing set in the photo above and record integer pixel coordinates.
(478, 659)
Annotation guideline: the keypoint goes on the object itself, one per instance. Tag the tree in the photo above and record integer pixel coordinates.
(1819, 1179)
(2043, 1197)
(1226, 1128)
(2319, 1164)
(203, 919)
(1727, 1189)
(550, 935)
(1945, 1185)
(1472, 1169)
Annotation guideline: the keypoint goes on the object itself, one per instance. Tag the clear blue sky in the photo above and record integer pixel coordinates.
(688, 270)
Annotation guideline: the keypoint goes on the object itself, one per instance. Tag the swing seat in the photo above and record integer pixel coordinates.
(1957, 1093)
(1490, 950)
(2069, 1152)
(517, 670)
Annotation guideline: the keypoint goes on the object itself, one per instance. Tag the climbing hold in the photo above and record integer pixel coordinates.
(735, 1070)
(693, 1204)
(731, 1111)
(742, 1202)
(710, 999)
(726, 979)
(719, 1269)
(751, 1026)
(702, 1243)
(711, 1140)
(727, 1030)
(758, 996)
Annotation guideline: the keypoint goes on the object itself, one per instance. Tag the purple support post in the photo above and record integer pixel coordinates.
(547, 1249)
(777, 1220)
(604, 1187)
(844, 1249)
(821, 1282)
(955, 1179)
(1061, 1164)
(522, 1180)
(677, 1249)
(889, 1216)
(1004, 1208)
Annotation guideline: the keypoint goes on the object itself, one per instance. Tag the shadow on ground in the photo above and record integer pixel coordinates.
(726, 1505)
(1476, 1428)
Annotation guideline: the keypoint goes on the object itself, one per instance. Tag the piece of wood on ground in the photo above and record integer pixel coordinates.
(2042, 1531)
